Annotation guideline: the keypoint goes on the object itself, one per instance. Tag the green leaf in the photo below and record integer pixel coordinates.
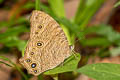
(23, 49)
(104, 30)
(115, 51)
(47, 9)
(12, 23)
(97, 41)
(29, 5)
(5, 24)
(57, 7)
(10, 39)
(101, 71)
(72, 27)
(1, 1)
(80, 9)
(20, 45)
(69, 65)
(66, 31)
(13, 31)
(90, 8)
(13, 41)
(21, 20)
(117, 4)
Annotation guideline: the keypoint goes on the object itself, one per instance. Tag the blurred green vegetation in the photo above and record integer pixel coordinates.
(77, 27)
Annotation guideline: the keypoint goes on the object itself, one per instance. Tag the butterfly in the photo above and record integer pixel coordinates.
(47, 47)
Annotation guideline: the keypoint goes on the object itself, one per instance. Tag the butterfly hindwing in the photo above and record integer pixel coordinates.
(47, 47)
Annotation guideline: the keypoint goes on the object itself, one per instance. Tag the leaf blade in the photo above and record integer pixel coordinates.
(101, 71)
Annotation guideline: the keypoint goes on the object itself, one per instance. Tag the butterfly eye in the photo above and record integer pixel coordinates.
(33, 65)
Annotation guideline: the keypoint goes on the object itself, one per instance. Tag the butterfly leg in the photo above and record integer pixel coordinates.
(74, 53)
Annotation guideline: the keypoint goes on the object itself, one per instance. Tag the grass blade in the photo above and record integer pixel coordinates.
(80, 9)
(57, 7)
(86, 14)
(17, 67)
(6, 64)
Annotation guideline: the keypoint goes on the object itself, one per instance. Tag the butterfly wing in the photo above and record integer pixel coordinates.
(47, 47)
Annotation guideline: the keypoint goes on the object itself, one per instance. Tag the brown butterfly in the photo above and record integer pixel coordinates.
(47, 47)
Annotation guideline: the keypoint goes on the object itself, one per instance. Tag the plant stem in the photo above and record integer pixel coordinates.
(66, 31)
(22, 73)
(37, 4)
